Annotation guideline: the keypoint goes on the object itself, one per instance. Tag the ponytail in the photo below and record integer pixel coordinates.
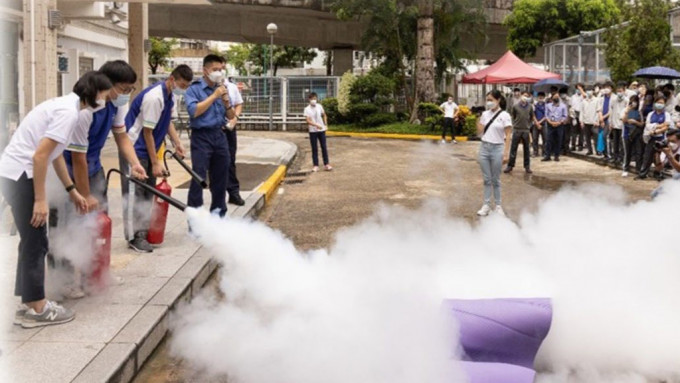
(89, 85)
(498, 96)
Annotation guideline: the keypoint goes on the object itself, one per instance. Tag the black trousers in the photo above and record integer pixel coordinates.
(517, 137)
(210, 155)
(321, 138)
(33, 243)
(577, 134)
(233, 186)
(633, 147)
(590, 137)
(616, 137)
(137, 202)
(555, 138)
(648, 157)
(537, 133)
(448, 125)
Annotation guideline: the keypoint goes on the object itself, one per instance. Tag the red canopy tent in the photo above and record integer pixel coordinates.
(509, 69)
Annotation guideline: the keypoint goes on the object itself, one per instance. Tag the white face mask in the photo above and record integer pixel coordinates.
(673, 146)
(450, 101)
(312, 102)
(217, 76)
(525, 99)
(589, 93)
(491, 104)
(606, 91)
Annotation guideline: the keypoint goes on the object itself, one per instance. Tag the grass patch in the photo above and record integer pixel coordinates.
(396, 128)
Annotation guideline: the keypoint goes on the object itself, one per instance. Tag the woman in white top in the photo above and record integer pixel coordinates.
(317, 122)
(495, 128)
(40, 139)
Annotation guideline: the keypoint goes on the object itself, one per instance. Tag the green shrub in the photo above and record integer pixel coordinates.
(426, 110)
(470, 127)
(434, 121)
(344, 91)
(372, 88)
(358, 112)
(378, 119)
(330, 106)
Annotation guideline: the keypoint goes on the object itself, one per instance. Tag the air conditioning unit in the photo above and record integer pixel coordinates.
(54, 19)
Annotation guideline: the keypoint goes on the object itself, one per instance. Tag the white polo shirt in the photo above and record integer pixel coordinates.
(234, 94)
(153, 104)
(55, 119)
(316, 114)
(496, 132)
(449, 109)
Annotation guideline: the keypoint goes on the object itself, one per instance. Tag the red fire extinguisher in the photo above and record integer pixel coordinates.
(159, 215)
(102, 258)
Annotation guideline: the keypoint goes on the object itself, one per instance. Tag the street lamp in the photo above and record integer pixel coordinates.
(271, 29)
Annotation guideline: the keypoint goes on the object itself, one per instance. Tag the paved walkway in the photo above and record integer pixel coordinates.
(115, 332)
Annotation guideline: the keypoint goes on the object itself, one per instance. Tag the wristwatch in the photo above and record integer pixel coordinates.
(70, 187)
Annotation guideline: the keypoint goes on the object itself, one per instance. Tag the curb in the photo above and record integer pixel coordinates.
(121, 359)
(393, 136)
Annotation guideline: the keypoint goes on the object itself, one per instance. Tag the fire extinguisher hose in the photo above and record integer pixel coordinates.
(179, 205)
(200, 180)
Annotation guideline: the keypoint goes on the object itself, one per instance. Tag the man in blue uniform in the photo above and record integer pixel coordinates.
(207, 102)
(86, 147)
(148, 122)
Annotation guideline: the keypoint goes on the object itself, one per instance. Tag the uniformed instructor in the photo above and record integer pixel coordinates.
(207, 102)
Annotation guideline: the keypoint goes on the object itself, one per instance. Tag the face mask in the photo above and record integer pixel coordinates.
(633, 105)
(179, 91)
(659, 106)
(313, 102)
(491, 105)
(121, 100)
(606, 91)
(450, 101)
(589, 93)
(597, 89)
(673, 146)
(216, 77)
(619, 95)
(525, 99)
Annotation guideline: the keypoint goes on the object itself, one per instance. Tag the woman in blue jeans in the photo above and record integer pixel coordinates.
(318, 124)
(495, 128)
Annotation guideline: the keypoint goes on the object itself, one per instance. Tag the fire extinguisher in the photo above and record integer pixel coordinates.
(102, 258)
(159, 214)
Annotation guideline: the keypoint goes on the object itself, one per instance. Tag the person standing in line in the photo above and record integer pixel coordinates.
(577, 135)
(209, 110)
(669, 92)
(233, 185)
(604, 112)
(516, 97)
(618, 107)
(522, 120)
(589, 121)
(449, 108)
(632, 89)
(318, 124)
(633, 127)
(558, 116)
(40, 140)
(658, 122)
(568, 126)
(495, 127)
(148, 122)
(539, 128)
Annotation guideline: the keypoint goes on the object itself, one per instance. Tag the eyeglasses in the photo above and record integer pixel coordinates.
(121, 90)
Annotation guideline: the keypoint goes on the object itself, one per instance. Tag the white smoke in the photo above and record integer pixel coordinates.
(367, 310)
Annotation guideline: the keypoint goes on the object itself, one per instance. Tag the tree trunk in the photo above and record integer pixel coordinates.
(425, 56)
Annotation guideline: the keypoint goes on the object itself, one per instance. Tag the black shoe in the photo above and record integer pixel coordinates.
(573, 148)
(545, 159)
(557, 159)
(528, 171)
(507, 170)
(640, 178)
(236, 200)
(589, 153)
(140, 244)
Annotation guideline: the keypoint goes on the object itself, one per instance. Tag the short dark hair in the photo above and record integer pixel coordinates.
(119, 72)
(662, 98)
(516, 90)
(541, 94)
(579, 84)
(622, 85)
(673, 132)
(183, 72)
(553, 89)
(312, 95)
(212, 58)
(670, 87)
(609, 84)
(89, 85)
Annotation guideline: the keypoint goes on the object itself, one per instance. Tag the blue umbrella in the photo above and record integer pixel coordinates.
(657, 72)
(545, 85)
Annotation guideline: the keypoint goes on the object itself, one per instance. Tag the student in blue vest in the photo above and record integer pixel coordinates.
(148, 122)
(86, 148)
(207, 102)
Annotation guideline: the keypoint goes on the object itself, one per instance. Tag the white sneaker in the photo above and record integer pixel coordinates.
(442, 141)
(499, 211)
(624, 174)
(52, 314)
(328, 168)
(19, 314)
(484, 211)
(315, 169)
(454, 141)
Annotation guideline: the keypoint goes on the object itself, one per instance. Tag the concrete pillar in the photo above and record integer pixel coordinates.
(343, 60)
(40, 53)
(138, 34)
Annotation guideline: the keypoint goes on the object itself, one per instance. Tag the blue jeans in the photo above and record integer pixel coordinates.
(210, 155)
(491, 162)
(321, 138)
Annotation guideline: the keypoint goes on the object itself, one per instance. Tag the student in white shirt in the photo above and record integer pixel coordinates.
(589, 121)
(39, 140)
(317, 122)
(450, 109)
(495, 128)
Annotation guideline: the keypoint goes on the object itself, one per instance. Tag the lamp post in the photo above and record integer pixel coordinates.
(581, 68)
(271, 29)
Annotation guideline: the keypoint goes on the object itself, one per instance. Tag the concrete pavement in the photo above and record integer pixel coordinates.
(114, 332)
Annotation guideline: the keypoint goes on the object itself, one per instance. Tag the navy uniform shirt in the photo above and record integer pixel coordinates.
(214, 117)
(151, 109)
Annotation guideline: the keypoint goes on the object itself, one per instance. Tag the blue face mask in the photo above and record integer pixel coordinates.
(121, 100)
(179, 91)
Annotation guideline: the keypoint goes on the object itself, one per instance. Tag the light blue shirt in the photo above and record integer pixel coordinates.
(556, 113)
(214, 117)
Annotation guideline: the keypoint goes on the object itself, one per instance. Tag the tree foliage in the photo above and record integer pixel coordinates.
(533, 23)
(161, 50)
(346, 82)
(253, 59)
(641, 42)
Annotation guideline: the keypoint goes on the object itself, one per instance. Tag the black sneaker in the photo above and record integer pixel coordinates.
(507, 170)
(140, 244)
(557, 159)
(545, 159)
(236, 200)
(528, 171)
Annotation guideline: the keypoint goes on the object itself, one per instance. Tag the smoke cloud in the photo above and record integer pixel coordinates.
(368, 309)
